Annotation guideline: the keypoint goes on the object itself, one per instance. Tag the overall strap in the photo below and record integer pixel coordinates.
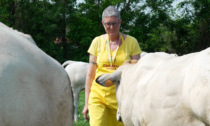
(110, 57)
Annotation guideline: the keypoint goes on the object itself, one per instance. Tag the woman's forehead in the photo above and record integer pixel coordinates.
(111, 18)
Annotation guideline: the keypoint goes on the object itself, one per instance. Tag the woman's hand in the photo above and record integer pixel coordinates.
(85, 112)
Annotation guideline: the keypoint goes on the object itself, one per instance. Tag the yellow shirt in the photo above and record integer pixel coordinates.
(128, 48)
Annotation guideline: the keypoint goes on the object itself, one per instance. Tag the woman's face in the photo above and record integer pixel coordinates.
(112, 25)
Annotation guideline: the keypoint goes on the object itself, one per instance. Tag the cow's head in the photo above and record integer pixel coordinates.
(109, 79)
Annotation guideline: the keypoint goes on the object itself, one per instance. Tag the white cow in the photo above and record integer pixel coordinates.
(164, 90)
(143, 54)
(34, 88)
(77, 72)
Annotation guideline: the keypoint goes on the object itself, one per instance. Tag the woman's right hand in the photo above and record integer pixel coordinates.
(85, 112)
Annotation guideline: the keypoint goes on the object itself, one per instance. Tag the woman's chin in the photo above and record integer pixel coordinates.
(113, 34)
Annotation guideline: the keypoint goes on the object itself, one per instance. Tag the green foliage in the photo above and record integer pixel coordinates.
(185, 37)
(7, 12)
(195, 26)
(160, 40)
(76, 25)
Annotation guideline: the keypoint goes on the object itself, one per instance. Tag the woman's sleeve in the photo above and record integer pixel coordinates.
(135, 48)
(93, 47)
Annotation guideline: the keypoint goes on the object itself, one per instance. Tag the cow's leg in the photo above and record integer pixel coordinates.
(76, 101)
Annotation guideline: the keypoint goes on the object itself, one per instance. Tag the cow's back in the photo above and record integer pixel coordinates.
(162, 90)
(181, 87)
(77, 73)
(34, 88)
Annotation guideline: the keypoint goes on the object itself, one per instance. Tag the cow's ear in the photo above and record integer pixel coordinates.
(108, 80)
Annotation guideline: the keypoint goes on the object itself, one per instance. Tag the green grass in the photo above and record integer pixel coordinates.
(81, 121)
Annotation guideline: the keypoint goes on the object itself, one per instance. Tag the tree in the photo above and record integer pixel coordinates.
(7, 10)
(76, 25)
(197, 14)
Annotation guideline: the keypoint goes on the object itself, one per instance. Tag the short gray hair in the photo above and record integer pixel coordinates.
(110, 11)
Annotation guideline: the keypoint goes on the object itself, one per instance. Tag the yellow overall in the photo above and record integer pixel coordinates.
(102, 103)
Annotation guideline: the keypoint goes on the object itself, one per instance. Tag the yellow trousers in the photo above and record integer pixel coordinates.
(102, 106)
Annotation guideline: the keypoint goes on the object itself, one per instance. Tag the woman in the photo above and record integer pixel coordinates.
(107, 53)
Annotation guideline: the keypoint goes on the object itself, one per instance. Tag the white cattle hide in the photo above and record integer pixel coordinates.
(34, 88)
(164, 90)
(77, 72)
(143, 54)
(163, 53)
